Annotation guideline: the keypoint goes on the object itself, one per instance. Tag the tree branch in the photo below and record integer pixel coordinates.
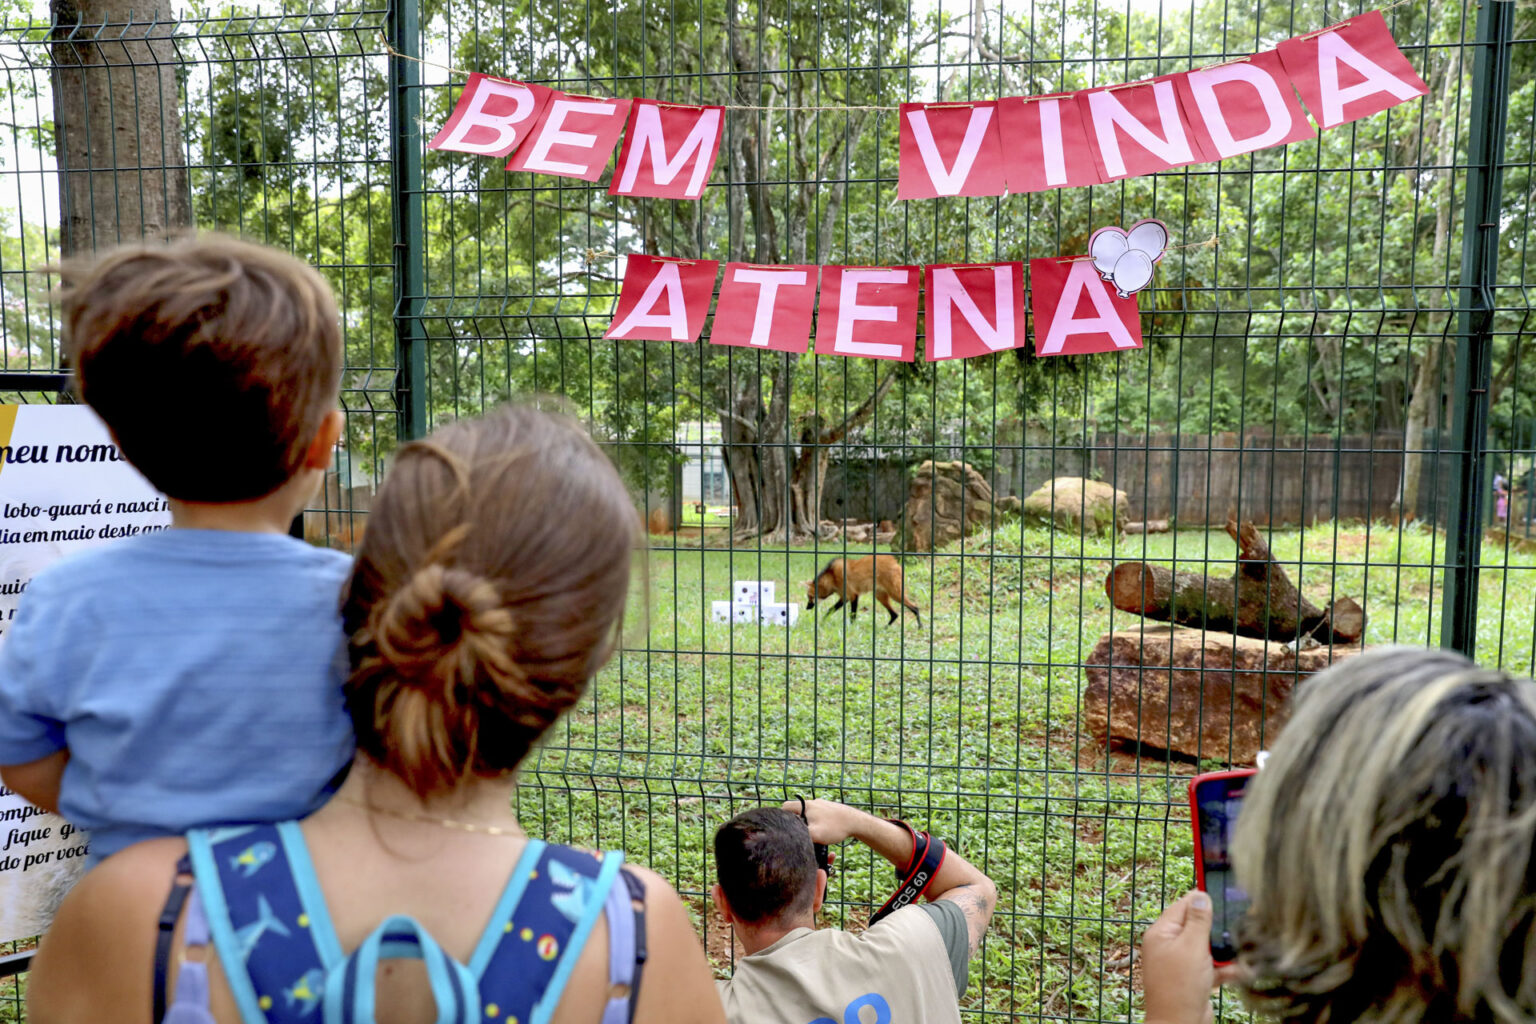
(858, 415)
(726, 413)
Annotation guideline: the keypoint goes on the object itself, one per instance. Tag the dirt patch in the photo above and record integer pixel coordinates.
(720, 944)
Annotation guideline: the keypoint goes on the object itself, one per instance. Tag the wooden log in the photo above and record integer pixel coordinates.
(1196, 694)
(1149, 526)
(1259, 600)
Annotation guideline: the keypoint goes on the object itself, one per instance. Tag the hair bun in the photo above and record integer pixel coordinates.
(444, 621)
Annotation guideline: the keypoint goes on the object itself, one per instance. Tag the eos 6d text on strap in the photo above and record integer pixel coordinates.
(914, 879)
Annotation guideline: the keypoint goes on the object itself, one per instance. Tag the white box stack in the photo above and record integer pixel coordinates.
(753, 601)
(757, 592)
(777, 614)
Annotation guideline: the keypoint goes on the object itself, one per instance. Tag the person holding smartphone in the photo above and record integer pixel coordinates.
(1386, 848)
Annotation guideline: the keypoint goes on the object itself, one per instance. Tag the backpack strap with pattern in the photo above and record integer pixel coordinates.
(524, 962)
(269, 925)
(284, 963)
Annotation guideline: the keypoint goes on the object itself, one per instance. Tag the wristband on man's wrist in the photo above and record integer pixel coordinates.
(913, 878)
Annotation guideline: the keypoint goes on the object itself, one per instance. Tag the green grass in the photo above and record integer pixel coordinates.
(968, 725)
(692, 517)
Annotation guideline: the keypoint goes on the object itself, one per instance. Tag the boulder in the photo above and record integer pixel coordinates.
(947, 501)
(1073, 503)
(1193, 692)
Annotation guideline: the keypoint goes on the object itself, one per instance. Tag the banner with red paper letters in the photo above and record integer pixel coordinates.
(974, 309)
(983, 148)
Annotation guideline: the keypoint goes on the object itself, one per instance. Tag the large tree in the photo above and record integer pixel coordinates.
(121, 156)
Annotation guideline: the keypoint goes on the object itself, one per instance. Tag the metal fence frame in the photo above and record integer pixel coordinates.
(642, 776)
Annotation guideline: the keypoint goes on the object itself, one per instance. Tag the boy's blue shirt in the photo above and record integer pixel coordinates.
(194, 675)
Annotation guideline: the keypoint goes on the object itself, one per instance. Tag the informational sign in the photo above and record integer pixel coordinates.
(63, 487)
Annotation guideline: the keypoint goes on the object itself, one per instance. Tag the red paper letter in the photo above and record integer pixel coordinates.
(573, 138)
(663, 300)
(1243, 106)
(844, 307)
(695, 134)
(989, 298)
(488, 115)
(1059, 287)
(766, 307)
(1379, 74)
(949, 149)
(1046, 144)
(1133, 110)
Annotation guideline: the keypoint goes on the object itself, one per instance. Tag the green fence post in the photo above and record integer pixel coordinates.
(1474, 329)
(410, 234)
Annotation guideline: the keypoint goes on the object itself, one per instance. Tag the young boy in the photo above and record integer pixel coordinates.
(191, 676)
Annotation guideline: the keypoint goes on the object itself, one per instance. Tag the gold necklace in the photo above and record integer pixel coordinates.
(462, 826)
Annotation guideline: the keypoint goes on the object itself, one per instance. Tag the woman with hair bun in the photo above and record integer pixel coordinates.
(1386, 847)
(488, 590)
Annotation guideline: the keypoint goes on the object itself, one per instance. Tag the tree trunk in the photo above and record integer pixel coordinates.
(739, 425)
(1259, 600)
(122, 161)
(1429, 383)
(808, 483)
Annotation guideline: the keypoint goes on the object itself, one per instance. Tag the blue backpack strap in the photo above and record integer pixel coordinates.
(539, 942)
(625, 911)
(349, 987)
(268, 923)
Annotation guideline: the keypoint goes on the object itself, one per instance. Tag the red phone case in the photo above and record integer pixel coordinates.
(1194, 823)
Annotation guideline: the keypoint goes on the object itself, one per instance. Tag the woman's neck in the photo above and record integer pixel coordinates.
(477, 805)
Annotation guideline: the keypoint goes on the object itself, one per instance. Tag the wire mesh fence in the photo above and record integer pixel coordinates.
(1327, 371)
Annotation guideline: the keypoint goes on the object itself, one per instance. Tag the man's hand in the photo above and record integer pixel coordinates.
(830, 822)
(1176, 967)
(956, 881)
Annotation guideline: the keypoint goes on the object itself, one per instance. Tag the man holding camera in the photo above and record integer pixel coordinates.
(909, 965)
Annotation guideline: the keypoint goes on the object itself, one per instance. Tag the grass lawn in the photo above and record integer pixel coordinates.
(967, 725)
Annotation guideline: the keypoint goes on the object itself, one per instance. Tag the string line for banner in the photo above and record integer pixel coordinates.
(591, 256)
(882, 108)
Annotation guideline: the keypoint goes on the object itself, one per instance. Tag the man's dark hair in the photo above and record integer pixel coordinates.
(766, 863)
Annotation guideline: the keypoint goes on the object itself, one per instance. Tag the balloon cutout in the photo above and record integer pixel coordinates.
(1125, 258)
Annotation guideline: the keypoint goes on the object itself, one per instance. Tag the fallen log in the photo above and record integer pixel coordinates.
(1148, 526)
(1258, 600)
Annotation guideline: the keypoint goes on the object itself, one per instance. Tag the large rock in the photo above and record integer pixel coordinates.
(947, 501)
(1073, 503)
(1193, 692)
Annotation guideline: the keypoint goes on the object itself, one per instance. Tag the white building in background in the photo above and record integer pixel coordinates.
(704, 476)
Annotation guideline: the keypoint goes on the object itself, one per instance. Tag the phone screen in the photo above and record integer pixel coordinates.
(1217, 802)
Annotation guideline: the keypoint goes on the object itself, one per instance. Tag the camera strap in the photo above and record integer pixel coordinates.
(914, 879)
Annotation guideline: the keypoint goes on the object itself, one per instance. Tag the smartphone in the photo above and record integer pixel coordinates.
(1215, 800)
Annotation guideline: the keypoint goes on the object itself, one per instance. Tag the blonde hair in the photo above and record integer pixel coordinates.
(489, 588)
(1387, 846)
(213, 360)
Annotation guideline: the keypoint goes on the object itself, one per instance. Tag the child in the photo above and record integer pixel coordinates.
(191, 676)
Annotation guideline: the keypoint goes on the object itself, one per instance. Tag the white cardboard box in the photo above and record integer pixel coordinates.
(743, 612)
(720, 611)
(778, 614)
(752, 591)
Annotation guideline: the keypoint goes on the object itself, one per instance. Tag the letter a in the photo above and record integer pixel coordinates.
(1056, 302)
(674, 321)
